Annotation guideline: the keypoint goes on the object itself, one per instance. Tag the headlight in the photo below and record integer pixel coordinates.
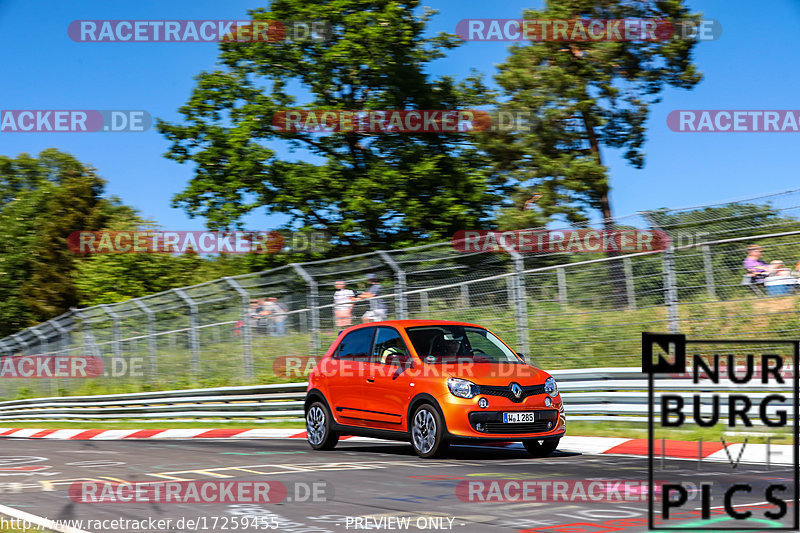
(462, 388)
(550, 387)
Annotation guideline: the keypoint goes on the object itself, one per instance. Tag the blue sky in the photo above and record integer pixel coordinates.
(752, 66)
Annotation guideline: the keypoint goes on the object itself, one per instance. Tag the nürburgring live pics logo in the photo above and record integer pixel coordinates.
(713, 387)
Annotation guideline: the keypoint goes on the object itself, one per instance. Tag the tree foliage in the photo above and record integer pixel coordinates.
(582, 96)
(41, 201)
(367, 191)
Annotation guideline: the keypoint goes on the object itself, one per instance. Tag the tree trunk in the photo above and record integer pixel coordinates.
(616, 272)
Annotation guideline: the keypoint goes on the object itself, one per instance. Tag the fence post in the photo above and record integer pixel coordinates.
(87, 339)
(18, 338)
(117, 344)
(401, 303)
(670, 290)
(247, 346)
(628, 268)
(151, 338)
(63, 334)
(561, 276)
(520, 301)
(708, 266)
(42, 341)
(670, 282)
(313, 305)
(423, 304)
(194, 344)
(464, 295)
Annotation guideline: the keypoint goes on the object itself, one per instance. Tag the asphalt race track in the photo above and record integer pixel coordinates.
(370, 481)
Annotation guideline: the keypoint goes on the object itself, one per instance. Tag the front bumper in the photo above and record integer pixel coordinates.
(465, 420)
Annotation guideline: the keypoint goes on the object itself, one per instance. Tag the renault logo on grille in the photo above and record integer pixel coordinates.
(516, 389)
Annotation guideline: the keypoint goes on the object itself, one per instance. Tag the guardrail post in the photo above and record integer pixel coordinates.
(561, 276)
(670, 290)
(117, 344)
(424, 304)
(151, 338)
(313, 305)
(708, 266)
(627, 267)
(194, 344)
(401, 303)
(247, 344)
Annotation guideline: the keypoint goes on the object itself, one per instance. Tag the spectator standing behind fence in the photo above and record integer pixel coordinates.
(276, 316)
(377, 307)
(343, 305)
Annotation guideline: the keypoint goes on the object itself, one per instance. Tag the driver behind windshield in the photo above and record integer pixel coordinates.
(452, 344)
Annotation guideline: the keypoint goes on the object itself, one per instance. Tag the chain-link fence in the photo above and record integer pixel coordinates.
(562, 310)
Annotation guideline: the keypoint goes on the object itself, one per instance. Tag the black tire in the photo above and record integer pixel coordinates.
(427, 432)
(318, 427)
(541, 447)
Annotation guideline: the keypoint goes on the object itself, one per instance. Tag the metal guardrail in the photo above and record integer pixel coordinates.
(599, 394)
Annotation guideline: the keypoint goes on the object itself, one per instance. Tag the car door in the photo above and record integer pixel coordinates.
(348, 368)
(387, 387)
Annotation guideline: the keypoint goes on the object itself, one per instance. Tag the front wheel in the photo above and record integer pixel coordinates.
(318, 427)
(427, 433)
(541, 447)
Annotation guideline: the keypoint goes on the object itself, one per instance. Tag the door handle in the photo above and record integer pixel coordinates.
(370, 380)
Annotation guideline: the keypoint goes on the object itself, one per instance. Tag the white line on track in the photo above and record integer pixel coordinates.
(38, 520)
(737, 505)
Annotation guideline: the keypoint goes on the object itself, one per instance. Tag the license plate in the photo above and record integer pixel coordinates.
(519, 418)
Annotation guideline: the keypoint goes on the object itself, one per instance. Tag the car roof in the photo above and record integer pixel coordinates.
(414, 323)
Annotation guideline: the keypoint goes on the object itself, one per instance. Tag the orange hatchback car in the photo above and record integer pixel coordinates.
(431, 383)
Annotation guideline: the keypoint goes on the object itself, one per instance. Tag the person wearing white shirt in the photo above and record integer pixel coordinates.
(343, 305)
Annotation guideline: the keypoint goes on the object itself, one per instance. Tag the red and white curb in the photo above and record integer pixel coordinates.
(673, 449)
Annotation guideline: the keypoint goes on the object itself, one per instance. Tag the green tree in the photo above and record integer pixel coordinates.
(42, 200)
(367, 191)
(582, 96)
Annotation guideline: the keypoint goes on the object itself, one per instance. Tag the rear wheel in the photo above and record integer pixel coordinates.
(427, 432)
(541, 447)
(318, 427)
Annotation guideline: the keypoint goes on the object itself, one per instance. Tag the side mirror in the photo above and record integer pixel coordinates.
(521, 355)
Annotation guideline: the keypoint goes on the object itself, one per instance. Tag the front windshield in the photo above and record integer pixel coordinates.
(447, 344)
